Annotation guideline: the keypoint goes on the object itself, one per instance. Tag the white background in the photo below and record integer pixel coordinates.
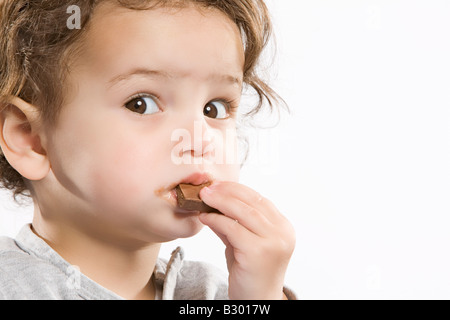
(361, 166)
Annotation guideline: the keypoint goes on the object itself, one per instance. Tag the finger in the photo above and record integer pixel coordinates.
(229, 250)
(248, 216)
(247, 195)
(223, 238)
(237, 236)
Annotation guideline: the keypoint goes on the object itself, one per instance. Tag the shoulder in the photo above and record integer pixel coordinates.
(24, 276)
(7, 245)
(11, 256)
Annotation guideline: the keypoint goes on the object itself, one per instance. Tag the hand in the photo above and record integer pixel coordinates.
(259, 240)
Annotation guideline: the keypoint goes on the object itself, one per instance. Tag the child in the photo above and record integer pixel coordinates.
(90, 118)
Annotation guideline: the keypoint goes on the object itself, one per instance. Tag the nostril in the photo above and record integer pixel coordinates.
(196, 154)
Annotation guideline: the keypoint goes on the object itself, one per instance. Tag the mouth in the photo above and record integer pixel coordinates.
(170, 195)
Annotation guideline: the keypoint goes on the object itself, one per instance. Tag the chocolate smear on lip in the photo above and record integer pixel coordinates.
(188, 198)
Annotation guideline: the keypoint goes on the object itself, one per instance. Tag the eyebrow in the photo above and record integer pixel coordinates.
(227, 78)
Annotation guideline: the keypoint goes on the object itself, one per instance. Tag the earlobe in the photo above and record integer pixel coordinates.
(20, 141)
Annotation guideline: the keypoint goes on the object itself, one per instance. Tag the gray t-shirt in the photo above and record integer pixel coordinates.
(31, 269)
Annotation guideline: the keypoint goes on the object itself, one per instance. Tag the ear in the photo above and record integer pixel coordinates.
(20, 140)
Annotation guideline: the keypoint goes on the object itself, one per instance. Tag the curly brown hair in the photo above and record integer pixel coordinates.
(36, 46)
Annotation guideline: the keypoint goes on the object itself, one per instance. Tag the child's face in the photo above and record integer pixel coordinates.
(114, 164)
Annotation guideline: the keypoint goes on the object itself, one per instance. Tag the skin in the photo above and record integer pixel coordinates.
(101, 176)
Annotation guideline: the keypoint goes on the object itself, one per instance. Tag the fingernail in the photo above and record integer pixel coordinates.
(214, 185)
(205, 191)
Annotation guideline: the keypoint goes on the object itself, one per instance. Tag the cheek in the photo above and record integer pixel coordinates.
(122, 173)
(99, 158)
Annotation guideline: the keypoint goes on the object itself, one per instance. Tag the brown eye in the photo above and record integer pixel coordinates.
(216, 110)
(142, 105)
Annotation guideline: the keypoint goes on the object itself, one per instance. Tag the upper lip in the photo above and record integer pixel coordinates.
(196, 179)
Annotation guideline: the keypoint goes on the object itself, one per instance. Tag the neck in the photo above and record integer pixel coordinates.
(122, 267)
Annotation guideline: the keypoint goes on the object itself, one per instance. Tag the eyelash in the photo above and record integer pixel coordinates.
(230, 104)
(143, 95)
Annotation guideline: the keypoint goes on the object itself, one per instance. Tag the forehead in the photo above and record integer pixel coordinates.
(187, 41)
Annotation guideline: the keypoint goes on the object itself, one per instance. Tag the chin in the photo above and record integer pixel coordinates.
(189, 227)
(181, 227)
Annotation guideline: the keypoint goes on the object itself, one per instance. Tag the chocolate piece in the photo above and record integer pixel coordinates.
(189, 199)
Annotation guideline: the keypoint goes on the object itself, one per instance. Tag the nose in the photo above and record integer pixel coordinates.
(201, 142)
(196, 144)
